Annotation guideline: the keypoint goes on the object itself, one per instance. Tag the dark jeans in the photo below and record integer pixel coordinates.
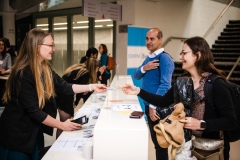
(161, 153)
(105, 77)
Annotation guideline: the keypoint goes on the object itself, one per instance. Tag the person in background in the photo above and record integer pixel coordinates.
(91, 53)
(205, 121)
(9, 49)
(5, 66)
(156, 74)
(104, 74)
(83, 73)
(5, 58)
(29, 99)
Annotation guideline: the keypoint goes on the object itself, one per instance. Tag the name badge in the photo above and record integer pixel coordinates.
(1, 62)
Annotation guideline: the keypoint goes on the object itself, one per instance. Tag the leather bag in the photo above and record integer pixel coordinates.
(183, 92)
(164, 112)
(169, 131)
(208, 149)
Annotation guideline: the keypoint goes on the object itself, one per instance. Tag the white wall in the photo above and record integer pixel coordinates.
(177, 18)
(8, 16)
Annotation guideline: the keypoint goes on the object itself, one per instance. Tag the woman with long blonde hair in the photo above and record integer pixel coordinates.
(30, 99)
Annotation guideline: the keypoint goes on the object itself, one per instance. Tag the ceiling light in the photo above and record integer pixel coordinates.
(41, 25)
(82, 22)
(58, 24)
(61, 28)
(80, 27)
(103, 20)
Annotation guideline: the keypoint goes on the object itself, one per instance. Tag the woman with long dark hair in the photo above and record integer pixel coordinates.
(5, 58)
(204, 121)
(105, 75)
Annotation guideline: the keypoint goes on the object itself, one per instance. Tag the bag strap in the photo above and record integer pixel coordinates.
(208, 94)
(208, 88)
(159, 71)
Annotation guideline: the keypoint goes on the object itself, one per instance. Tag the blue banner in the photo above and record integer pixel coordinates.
(136, 53)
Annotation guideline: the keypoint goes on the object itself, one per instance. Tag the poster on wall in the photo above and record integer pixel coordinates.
(136, 52)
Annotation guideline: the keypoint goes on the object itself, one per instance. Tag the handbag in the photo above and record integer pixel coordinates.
(164, 112)
(207, 149)
(169, 131)
(183, 92)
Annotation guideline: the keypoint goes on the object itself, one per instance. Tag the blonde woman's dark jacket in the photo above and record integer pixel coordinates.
(22, 117)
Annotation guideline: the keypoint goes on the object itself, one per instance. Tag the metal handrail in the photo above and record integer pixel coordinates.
(170, 38)
(218, 18)
(233, 68)
(209, 30)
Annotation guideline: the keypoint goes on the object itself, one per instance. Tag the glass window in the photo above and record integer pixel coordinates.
(42, 23)
(60, 56)
(80, 37)
(104, 33)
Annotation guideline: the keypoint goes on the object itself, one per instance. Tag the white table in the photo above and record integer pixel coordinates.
(115, 135)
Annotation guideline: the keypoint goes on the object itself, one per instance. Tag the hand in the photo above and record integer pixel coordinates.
(191, 123)
(151, 65)
(100, 77)
(102, 69)
(85, 93)
(70, 126)
(98, 87)
(2, 71)
(130, 89)
(153, 114)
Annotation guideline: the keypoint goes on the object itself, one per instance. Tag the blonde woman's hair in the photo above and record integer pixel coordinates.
(42, 73)
(90, 65)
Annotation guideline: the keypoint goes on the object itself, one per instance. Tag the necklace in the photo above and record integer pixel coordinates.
(194, 81)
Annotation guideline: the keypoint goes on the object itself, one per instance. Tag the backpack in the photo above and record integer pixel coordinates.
(233, 134)
(111, 63)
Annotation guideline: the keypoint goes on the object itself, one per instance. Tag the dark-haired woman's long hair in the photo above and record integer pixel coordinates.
(205, 62)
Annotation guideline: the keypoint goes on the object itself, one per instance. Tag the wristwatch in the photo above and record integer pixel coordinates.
(203, 124)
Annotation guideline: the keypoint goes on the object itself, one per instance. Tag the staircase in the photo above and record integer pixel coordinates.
(226, 52)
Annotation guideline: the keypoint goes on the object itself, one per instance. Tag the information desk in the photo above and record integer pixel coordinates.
(115, 136)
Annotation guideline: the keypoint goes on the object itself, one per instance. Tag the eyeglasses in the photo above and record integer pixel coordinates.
(182, 53)
(49, 45)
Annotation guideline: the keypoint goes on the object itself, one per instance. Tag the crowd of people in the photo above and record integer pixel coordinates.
(34, 92)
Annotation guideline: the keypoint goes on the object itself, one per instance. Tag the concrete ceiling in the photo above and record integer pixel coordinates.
(23, 5)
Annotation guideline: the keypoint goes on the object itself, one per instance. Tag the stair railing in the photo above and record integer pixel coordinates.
(233, 68)
(218, 18)
(171, 38)
(209, 30)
